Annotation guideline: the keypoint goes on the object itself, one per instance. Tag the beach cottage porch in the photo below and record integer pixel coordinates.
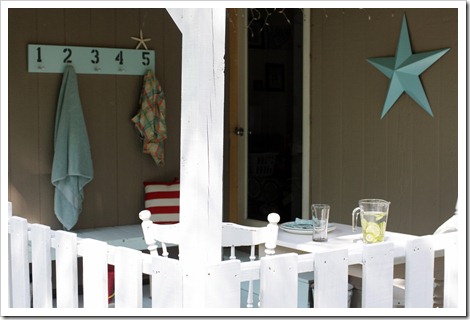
(199, 280)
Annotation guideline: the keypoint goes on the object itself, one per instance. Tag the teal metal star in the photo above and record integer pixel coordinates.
(404, 69)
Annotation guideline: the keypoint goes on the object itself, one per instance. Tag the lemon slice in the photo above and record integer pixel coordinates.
(370, 238)
(364, 224)
(373, 232)
(373, 228)
(378, 216)
(382, 226)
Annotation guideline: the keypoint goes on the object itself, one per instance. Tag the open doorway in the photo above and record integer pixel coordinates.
(272, 115)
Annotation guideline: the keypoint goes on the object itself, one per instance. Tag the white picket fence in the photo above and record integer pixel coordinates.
(278, 275)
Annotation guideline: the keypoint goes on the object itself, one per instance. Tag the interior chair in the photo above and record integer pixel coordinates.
(233, 236)
(451, 225)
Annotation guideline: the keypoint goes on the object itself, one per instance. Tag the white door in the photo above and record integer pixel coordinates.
(273, 114)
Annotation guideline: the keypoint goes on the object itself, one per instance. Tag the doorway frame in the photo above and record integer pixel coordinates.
(238, 184)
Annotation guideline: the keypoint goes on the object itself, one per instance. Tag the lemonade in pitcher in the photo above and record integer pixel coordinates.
(373, 226)
(374, 214)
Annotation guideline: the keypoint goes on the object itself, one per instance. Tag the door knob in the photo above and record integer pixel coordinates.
(239, 131)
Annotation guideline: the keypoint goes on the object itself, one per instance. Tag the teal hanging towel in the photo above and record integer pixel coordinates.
(72, 167)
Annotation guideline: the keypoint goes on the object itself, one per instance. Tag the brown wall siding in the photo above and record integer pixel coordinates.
(115, 196)
(408, 157)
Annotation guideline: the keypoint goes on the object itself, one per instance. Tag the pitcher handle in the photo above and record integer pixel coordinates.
(355, 214)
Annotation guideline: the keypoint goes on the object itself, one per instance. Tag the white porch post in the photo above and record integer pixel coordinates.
(203, 34)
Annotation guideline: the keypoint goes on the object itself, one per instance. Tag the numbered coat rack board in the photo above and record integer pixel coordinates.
(90, 60)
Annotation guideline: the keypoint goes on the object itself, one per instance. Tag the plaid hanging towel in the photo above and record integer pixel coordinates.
(150, 120)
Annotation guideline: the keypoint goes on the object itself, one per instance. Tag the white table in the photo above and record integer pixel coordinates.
(340, 238)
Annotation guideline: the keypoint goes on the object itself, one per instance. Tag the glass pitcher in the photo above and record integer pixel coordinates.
(374, 214)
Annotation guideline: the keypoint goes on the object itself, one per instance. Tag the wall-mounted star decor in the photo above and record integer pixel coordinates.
(404, 69)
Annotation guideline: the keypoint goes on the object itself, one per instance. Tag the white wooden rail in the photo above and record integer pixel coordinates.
(278, 274)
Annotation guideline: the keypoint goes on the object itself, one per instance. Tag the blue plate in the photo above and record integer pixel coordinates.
(302, 228)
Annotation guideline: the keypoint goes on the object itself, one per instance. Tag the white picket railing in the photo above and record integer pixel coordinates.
(278, 274)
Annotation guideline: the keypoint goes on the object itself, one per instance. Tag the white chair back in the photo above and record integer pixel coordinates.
(233, 235)
(236, 235)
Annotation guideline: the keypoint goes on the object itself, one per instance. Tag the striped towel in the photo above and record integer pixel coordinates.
(150, 120)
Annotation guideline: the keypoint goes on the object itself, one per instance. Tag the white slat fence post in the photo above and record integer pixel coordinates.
(377, 275)
(451, 268)
(41, 266)
(128, 278)
(223, 285)
(167, 283)
(331, 279)
(95, 273)
(20, 286)
(419, 273)
(66, 269)
(279, 281)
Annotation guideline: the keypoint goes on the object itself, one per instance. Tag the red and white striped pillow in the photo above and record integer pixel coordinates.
(163, 201)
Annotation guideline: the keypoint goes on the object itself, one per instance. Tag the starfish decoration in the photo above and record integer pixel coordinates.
(141, 41)
(404, 69)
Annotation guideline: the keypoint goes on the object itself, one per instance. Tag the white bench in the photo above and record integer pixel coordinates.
(129, 236)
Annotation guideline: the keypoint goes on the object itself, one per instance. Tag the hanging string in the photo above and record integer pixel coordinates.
(257, 16)
(281, 11)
